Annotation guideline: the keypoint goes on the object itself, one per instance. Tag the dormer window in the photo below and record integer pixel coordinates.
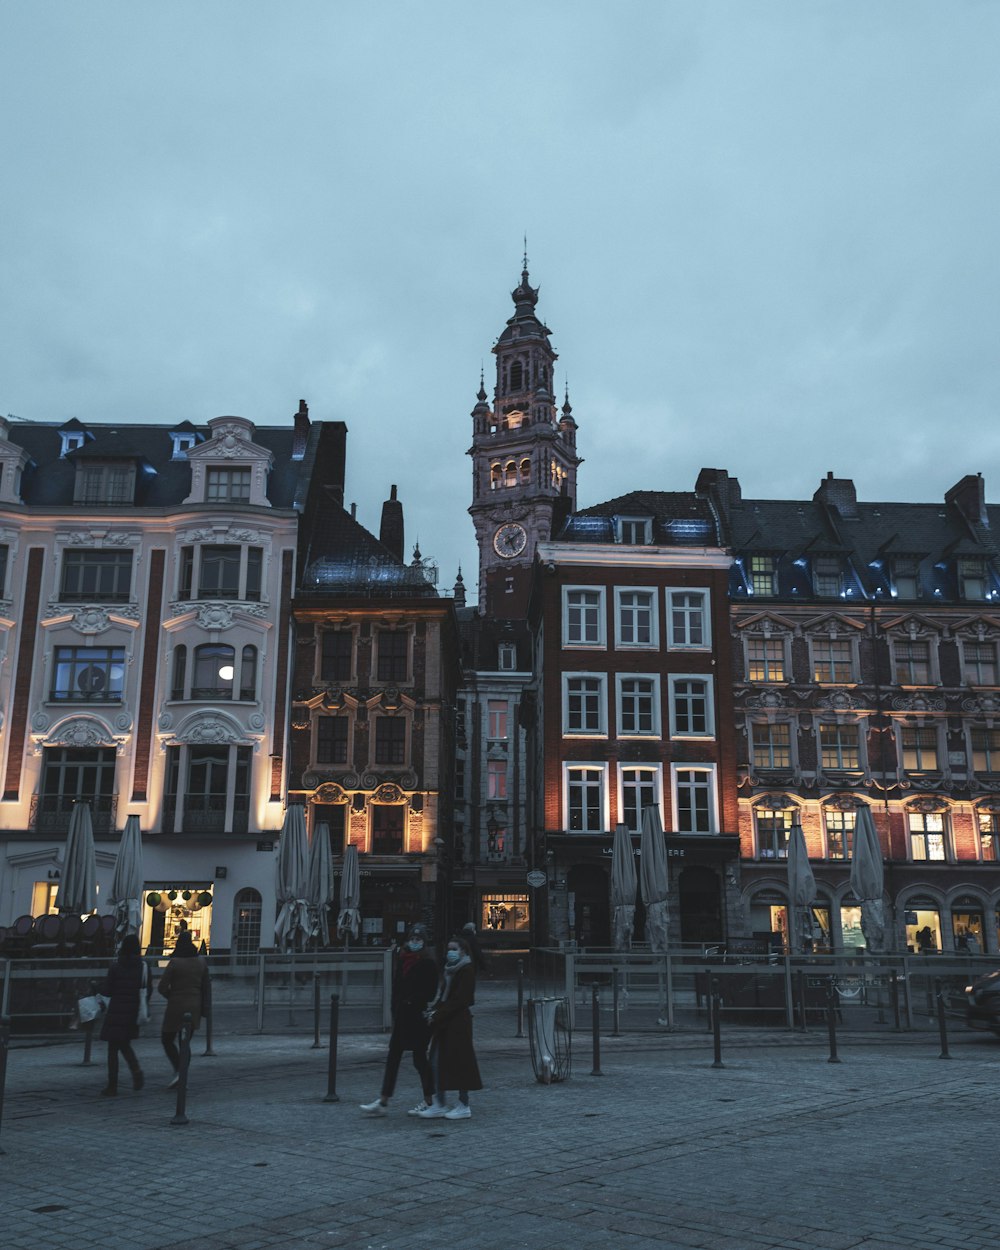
(507, 659)
(763, 574)
(972, 577)
(104, 483)
(182, 445)
(828, 577)
(227, 485)
(906, 577)
(71, 441)
(634, 531)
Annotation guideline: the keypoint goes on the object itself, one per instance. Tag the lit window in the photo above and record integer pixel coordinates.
(638, 706)
(506, 913)
(927, 836)
(979, 663)
(691, 710)
(989, 835)
(496, 475)
(839, 833)
(585, 798)
(839, 746)
(774, 824)
(496, 779)
(688, 614)
(832, 660)
(986, 750)
(584, 704)
(766, 659)
(88, 674)
(763, 572)
(635, 618)
(583, 617)
(640, 788)
(913, 662)
(694, 799)
(510, 473)
(227, 486)
(920, 750)
(772, 744)
(496, 719)
(906, 578)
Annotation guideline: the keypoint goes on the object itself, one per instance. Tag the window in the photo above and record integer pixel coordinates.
(248, 674)
(388, 828)
(331, 740)
(96, 576)
(763, 575)
(4, 555)
(689, 625)
(927, 835)
(584, 703)
(640, 788)
(691, 707)
(72, 773)
(635, 619)
(510, 473)
(694, 799)
(913, 662)
(773, 827)
(765, 659)
(525, 471)
(496, 720)
(638, 706)
(496, 779)
(227, 486)
(178, 678)
(495, 477)
(828, 577)
(88, 674)
(583, 617)
(979, 663)
(393, 654)
(336, 655)
(221, 571)
(832, 660)
(207, 789)
(104, 484)
(506, 913)
(839, 833)
(771, 744)
(986, 750)
(972, 578)
(633, 532)
(584, 799)
(214, 670)
(906, 578)
(989, 835)
(390, 740)
(507, 657)
(920, 749)
(839, 746)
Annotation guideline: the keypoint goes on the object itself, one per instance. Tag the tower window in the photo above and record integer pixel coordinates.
(496, 476)
(525, 472)
(510, 474)
(516, 376)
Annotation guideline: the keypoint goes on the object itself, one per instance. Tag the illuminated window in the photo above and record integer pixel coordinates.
(927, 836)
(506, 913)
(585, 798)
(763, 574)
(979, 663)
(989, 835)
(496, 719)
(510, 473)
(774, 824)
(496, 779)
(496, 474)
(920, 749)
(839, 746)
(765, 659)
(525, 472)
(986, 750)
(913, 662)
(833, 660)
(772, 744)
(840, 828)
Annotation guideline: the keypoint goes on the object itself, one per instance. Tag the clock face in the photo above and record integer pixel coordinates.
(510, 540)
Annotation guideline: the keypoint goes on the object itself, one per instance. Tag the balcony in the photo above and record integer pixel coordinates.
(205, 813)
(50, 813)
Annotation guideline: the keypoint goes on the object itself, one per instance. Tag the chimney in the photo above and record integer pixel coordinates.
(724, 491)
(839, 493)
(391, 530)
(301, 431)
(969, 497)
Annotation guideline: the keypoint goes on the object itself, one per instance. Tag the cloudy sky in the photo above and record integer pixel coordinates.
(766, 233)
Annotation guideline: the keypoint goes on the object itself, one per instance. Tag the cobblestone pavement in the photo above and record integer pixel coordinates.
(891, 1149)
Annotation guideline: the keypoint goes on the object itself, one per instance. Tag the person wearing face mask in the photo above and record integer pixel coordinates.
(413, 987)
(452, 1056)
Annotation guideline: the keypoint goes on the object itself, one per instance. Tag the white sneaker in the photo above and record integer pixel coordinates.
(374, 1108)
(433, 1112)
(420, 1107)
(460, 1112)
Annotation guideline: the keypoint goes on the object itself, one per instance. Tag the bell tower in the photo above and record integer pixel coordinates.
(524, 459)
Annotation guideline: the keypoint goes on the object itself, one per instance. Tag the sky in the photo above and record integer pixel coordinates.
(765, 232)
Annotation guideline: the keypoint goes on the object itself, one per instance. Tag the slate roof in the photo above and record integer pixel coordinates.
(342, 557)
(680, 519)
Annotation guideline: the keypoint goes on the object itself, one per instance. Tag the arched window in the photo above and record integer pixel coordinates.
(510, 474)
(214, 670)
(247, 907)
(496, 473)
(525, 472)
(516, 376)
(248, 674)
(180, 670)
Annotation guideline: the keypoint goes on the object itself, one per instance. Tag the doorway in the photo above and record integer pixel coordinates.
(590, 917)
(700, 906)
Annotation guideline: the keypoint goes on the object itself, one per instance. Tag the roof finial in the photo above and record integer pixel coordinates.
(524, 265)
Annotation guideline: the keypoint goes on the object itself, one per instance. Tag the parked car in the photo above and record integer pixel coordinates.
(982, 1003)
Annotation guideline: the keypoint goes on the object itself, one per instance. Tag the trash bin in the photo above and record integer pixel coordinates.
(550, 1039)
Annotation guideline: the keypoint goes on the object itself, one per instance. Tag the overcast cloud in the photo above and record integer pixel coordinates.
(765, 233)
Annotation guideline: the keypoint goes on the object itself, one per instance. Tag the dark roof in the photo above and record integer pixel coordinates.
(342, 557)
(680, 519)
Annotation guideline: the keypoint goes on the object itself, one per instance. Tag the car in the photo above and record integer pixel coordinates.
(982, 1003)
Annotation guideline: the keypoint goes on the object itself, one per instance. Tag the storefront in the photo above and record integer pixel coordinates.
(169, 908)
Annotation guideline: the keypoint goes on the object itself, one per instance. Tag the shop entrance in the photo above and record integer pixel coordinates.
(590, 919)
(247, 909)
(700, 906)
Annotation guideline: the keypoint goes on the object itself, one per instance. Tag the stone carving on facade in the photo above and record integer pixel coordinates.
(917, 703)
(206, 613)
(388, 792)
(776, 802)
(39, 722)
(166, 721)
(928, 804)
(301, 716)
(985, 704)
(843, 802)
(215, 615)
(209, 727)
(328, 792)
(90, 618)
(840, 701)
(767, 699)
(257, 720)
(81, 731)
(98, 538)
(218, 534)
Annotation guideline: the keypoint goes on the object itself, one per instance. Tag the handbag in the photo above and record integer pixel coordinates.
(89, 1007)
(142, 1016)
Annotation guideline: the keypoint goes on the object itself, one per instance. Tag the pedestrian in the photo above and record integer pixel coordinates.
(475, 950)
(453, 1060)
(413, 986)
(127, 980)
(183, 985)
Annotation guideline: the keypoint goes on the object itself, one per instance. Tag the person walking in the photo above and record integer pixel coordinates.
(183, 985)
(413, 986)
(453, 1059)
(126, 981)
(479, 962)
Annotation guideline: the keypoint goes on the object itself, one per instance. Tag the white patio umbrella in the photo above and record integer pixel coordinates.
(653, 880)
(319, 883)
(349, 917)
(801, 890)
(623, 884)
(127, 882)
(868, 880)
(290, 878)
(78, 884)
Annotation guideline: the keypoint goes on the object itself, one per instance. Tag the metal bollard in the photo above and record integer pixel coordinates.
(831, 1019)
(520, 999)
(894, 994)
(331, 1067)
(801, 979)
(708, 1000)
(207, 1012)
(88, 1034)
(595, 1024)
(615, 1004)
(180, 1116)
(942, 1023)
(717, 1025)
(317, 1044)
(4, 1045)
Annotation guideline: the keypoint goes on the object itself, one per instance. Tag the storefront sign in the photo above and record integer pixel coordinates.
(536, 878)
(265, 846)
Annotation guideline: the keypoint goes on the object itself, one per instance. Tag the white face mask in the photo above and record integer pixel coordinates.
(415, 944)
(454, 956)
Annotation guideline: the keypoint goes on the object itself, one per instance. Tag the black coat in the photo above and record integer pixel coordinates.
(451, 1031)
(411, 992)
(121, 986)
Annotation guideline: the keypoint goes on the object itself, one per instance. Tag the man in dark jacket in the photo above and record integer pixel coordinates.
(413, 987)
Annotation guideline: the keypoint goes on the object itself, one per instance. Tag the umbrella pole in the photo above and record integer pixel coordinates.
(291, 984)
(343, 971)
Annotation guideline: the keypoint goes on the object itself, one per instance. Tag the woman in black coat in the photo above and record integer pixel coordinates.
(122, 987)
(453, 1059)
(413, 986)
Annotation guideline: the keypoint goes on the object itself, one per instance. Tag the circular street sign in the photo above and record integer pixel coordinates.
(536, 878)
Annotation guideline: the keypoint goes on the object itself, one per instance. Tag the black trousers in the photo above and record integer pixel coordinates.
(420, 1062)
(125, 1049)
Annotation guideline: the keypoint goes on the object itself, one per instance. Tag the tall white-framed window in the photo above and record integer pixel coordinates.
(585, 798)
(638, 698)
(695, 800)
(584, 617)
(636, 624)
(496, 779)
(689, 625)
(839, 825)
(765, 659)
(585, 702)
(840, 745)
(639, 786)
(634, 531)
(928, 835)
(692, 706)
(496, 720)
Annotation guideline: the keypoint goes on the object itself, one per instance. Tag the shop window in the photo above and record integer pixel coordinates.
(505, 913)
(851, 933)
(336, 655)
(388, 825)
(967, 927)
(88, 674)
(90, 576)
(183, 905)
(43, 898)
(393, 655)
(923, 926)
(774, 824)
